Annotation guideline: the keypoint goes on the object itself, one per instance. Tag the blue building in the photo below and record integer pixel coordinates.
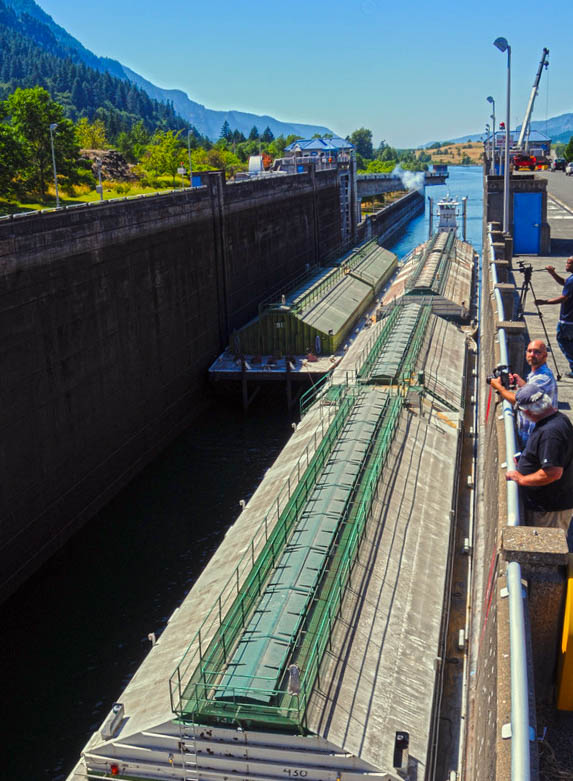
(327, 149)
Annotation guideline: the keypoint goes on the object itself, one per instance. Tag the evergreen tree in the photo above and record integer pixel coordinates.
(267, 135)
(254, 134)
(226, 132)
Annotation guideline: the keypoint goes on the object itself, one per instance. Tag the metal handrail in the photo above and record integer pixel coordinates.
(520, 731)
(242, 576)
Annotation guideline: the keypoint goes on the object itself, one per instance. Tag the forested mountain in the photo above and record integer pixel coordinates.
(24, 24)
(557, 128)
(31, 55)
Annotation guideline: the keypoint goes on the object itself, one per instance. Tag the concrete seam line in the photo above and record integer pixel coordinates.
(560, 203)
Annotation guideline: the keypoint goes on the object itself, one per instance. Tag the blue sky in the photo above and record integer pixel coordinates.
(411, 71)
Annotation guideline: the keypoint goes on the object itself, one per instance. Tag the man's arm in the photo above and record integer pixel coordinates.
(555, 275)
(536, 479)
(558, 300)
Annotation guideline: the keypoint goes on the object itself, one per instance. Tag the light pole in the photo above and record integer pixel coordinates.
(99, 187)
(502, 45)
(189, 151)
(492, 166)
(53, 126)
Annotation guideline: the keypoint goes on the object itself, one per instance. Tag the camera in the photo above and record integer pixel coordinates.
(503, 373)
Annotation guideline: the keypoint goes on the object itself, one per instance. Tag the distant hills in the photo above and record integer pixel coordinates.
(557, 128)
(36, 31)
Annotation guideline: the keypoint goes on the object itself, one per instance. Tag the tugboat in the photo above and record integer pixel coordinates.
(448, 212)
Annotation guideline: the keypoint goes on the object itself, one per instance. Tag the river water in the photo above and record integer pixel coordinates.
(73, 636)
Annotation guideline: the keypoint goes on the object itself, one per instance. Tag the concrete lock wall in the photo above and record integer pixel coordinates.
(541, 553)
(390, 221)
(110, 316)
(482, 748)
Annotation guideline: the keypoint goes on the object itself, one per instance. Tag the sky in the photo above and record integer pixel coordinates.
(411, 71)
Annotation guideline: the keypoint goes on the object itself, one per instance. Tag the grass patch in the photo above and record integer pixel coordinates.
(83, 194)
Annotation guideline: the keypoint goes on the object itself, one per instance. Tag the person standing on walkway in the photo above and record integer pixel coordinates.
(565, 323)
(540, 374)
(545, 467)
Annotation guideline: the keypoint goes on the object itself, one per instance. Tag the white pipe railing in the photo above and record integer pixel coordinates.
(520, 731)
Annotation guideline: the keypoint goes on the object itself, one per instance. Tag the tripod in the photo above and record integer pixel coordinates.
(527, 269)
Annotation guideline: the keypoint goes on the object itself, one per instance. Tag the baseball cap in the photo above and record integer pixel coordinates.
(530, 397)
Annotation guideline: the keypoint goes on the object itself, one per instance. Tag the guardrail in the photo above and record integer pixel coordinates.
(246, 579)
(520, 730)
(104, 202)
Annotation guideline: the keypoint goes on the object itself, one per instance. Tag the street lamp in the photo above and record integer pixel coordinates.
(99, 186)
(486, 140)
(492, 166)
(502, 45)
(53, 126)
(189, 151)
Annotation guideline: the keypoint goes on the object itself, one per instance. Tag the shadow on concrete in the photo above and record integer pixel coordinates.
(561, 247)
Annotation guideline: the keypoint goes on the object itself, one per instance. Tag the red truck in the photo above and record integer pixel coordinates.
(535, 161)
(524, 161)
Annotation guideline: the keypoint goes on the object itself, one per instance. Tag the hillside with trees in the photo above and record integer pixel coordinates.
(32, 23)
(142, 158)
(31, 56)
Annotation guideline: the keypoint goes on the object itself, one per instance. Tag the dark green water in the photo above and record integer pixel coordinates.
(75, 634)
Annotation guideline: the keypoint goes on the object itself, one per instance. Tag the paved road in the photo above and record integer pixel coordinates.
(559, 185)
(560, 217)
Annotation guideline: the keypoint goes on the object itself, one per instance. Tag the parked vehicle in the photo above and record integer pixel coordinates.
(558, 164)
(569, 168)
(524, 161)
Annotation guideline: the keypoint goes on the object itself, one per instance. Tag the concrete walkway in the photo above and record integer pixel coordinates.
(560, 218)
(556, 751)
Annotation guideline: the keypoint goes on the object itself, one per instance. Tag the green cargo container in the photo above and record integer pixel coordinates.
(319, 313)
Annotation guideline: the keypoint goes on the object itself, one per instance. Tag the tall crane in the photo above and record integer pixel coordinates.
(524, 133)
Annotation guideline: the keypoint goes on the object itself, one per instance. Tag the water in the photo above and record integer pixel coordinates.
(463, 181)
(76, 633)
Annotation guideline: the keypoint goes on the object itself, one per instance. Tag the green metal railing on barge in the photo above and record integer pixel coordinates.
(196, 701)
(439, 275)
(245, 581)
(216, 681)
(328, 392)
(413, 333)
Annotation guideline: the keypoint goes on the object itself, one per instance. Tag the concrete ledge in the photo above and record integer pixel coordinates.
(511, 326)
(535, 546)
(543, 556)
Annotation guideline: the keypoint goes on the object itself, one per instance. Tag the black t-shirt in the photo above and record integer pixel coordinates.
(549, 444)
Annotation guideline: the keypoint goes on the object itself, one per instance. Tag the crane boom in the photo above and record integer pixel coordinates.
(525, 125)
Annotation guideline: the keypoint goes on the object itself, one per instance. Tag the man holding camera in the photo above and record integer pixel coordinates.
(565, 323)
(545, 467)
(540, 374)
